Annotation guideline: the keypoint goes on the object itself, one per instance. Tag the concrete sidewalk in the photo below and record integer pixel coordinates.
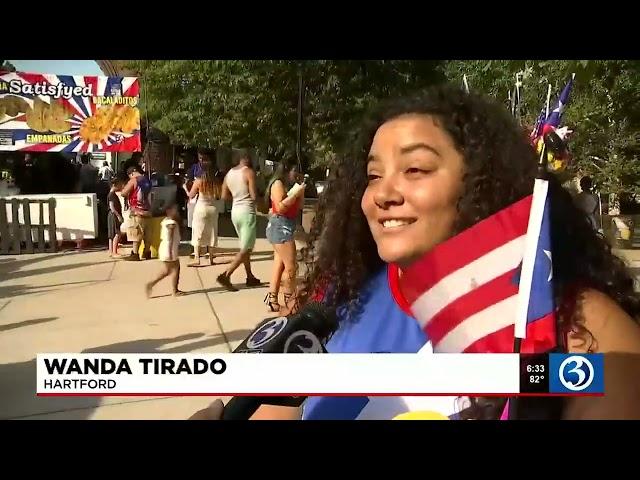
(86, 302)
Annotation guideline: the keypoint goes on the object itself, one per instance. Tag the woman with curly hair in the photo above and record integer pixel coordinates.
(424, 169)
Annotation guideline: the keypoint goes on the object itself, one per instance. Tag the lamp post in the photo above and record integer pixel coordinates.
(299, 123)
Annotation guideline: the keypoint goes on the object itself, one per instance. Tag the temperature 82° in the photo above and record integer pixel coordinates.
(536, 379)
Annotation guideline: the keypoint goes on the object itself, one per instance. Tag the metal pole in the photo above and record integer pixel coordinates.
(146, 158)
(518, 97)
(300, 102)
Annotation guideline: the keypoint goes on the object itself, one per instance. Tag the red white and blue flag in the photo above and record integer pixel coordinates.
(465, 291)
(537, 128)
(555, 116)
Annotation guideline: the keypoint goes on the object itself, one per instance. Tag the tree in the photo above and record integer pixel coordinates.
(254, 103)
(602, 109)
(6, 66)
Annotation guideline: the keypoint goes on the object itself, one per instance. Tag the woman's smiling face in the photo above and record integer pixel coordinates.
(415, 180)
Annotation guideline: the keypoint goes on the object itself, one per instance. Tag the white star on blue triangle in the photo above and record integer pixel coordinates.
(541, 301)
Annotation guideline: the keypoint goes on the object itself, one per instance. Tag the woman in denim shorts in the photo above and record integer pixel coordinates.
(286, 198)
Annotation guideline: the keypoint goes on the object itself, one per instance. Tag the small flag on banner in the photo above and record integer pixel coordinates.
(464, 292)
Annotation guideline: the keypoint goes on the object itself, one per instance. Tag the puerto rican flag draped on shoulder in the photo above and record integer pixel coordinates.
(464, 292)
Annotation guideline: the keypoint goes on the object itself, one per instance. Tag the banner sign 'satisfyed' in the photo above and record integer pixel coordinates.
(321, 374)
(69, 113)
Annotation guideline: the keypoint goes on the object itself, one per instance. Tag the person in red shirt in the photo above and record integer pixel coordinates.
(137, 190)
(286, 198)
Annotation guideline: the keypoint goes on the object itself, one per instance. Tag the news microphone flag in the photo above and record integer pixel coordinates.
(464, 293)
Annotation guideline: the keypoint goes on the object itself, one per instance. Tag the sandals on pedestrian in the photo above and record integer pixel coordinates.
(271, 300)
(224, 280)
(293, 299)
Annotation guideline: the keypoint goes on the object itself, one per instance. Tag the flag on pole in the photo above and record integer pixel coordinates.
(537, 128)
(464, 293)
(536, 301)
(555, 115)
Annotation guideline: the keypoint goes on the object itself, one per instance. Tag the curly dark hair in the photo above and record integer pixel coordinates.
(500, 169)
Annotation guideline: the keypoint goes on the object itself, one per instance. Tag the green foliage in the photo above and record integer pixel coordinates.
(6, 66)
(254, 103)
(602, 110)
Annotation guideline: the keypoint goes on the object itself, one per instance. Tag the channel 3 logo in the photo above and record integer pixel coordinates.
(575, 373)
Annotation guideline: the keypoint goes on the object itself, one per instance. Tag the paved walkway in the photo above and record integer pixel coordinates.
(86, 302)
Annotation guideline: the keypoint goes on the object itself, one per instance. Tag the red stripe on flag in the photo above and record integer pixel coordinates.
(541, 336)
(498, 289)
(475, 242)
(32, 77)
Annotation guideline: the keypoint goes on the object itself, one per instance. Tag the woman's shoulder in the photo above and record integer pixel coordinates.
(278, 184)
(613, 332)
(611, 328)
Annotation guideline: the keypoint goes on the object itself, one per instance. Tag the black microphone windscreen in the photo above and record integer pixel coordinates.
(304, 332)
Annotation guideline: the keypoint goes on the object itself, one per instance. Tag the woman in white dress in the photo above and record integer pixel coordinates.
(204, 226)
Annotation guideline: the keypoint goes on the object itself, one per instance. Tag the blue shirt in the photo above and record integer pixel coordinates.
(195, 171)
(380, 326)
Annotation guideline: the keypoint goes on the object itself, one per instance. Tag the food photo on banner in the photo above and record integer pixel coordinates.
(69, 113)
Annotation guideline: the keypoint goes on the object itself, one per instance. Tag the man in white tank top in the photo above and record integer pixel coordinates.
(240, 185)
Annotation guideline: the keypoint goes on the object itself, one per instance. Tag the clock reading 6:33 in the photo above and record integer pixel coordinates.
(537, 368)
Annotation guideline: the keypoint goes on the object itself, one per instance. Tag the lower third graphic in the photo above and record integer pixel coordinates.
(576, 374)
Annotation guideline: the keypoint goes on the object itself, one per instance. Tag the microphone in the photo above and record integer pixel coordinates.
(304, 332)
